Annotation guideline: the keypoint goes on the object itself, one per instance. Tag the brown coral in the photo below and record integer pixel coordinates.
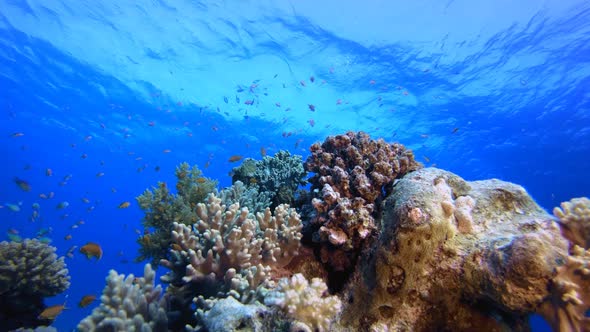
(352, 174)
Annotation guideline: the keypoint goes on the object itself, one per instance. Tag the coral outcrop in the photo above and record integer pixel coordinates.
(29, 271)
(309, 305)
(457, 256)
(162, 208)
(227, 253)
(574, 219)
(129, 304)
(353, 173)
(278, 176)
(247, 196)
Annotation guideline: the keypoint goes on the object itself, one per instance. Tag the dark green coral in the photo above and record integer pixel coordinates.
(162, 208)
(278, 176)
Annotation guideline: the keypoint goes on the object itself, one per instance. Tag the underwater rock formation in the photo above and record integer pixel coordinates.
(456, 256)
(129, 304)
(353, 173)
(29, 271)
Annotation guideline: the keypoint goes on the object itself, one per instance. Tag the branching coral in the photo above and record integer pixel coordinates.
(574, 219)
(304, 302)
(128, 304)
(162, 209)
(278, 176)
(569, 302)
(227, 253)
(29, 271)
(247, 196)
(352, 174)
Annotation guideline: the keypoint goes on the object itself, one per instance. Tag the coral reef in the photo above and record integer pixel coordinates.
(129, 304)
(278, 176)
(455, 255)
(29, 271)
(306, 303)
(162, 209)
(353, 173)
(247, 196)
(227, 253)
(574, 219)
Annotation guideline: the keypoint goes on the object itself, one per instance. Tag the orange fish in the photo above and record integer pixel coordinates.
(68, 237)
(124, 205)
(86, 301)
(235, 158)
(262, 151)
(92, 249)
(176, 247)
(52, 312)
(201, 180)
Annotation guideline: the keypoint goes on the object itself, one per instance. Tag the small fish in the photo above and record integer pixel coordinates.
(312, 79)
(372, 82)
(83, 156)
(339, 102)
(262, 151)
(151, 123)
(70, 252)
(166, 151)
(12, 231)
(91, 249)
(124, 205)
(14, 237)
(22, 184)
(48, 172)
(311, 107)
(249, 102)
(302, 82)
(201, 180)
(157, 168)
(12, 207)
(52, 312)
(277, 104)
(225, 99)
(99, 174)
(17, 135)
(36, 206)
(86, 301)
(85, 200)
(235, 158)
(62, 205)
(456, 129)
(311, 122)
(68, 237)
(88, 138)
(207, 164)
(424, 135)
(237, 100)
(176, 247)
(426, 159)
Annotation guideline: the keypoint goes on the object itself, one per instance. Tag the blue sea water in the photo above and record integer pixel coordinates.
(130, 89)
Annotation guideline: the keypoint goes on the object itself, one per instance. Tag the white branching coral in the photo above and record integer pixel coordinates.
(304, 302)
(129, 304)
(574, 218)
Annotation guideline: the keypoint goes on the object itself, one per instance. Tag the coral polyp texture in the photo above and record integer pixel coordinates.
(129, 303)
(29, 271)
(574, 218)
(308, 304)
(353, 173)
(457, 256)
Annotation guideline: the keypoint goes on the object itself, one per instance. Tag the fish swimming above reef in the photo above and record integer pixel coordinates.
(52, 312)
(124, 205)
(91, 249)
(86, 301)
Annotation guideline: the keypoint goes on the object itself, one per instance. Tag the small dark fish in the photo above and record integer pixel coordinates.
(22, 184)
(225, 100)
(311, 107)
(455, 130)
(237, 99)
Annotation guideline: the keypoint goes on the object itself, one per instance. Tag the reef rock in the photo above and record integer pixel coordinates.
(454, 255)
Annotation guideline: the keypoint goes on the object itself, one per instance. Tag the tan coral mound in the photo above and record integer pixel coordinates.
(31, 267)
(574, 218)
(129, 304)
(457, 256)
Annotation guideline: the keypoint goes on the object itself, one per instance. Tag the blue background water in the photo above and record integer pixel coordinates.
(513, 78)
